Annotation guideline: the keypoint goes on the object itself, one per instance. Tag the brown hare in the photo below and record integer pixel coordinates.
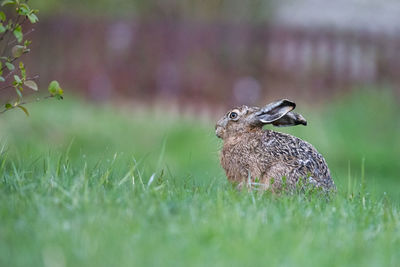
(274, 160)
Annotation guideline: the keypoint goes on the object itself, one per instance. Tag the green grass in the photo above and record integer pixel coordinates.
(75, 191)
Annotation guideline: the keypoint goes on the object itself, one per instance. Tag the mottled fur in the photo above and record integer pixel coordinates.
(266, 155)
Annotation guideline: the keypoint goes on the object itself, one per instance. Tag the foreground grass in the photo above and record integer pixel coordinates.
(58, 215)
(91, 186)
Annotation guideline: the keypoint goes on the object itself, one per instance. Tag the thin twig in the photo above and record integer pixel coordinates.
(26, 102)
(27, 79)
(4, 34)
(11, 61)
(5, 44)
(25, 34)
(12, 30)
(9, 74)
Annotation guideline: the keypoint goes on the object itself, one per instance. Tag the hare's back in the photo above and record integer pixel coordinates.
(300, 157)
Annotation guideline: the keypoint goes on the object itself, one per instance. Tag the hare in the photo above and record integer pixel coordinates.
(274, 160)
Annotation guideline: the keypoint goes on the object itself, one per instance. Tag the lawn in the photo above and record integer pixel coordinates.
(86, 185)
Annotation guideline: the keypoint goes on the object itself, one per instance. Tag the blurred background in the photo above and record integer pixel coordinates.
(217, 52)
(148, 76)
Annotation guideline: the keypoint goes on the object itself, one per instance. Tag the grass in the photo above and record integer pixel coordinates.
(82, 185)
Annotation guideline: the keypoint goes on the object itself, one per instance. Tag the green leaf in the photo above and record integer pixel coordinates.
(18, 92)
(2, 16)
(31, 84)
(2, 28)
(33, 18)
(8, 2)
(17, 79)
(22, 69)
(8, 106)
(17, 50)
(18, 33)
(24, 110)
(23, 10)
(54, 88)
(10, 66)
(2, 79)
(24, 6)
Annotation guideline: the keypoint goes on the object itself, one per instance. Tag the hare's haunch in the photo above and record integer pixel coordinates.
(268, 158)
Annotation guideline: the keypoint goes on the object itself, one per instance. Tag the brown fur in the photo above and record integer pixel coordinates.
(249, 152)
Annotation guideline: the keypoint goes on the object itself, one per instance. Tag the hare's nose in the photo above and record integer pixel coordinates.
(218, 131)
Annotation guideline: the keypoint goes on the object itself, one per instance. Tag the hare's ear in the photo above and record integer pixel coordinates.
(290, 119)
(274, 111)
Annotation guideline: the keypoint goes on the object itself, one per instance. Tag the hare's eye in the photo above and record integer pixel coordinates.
(233, 115)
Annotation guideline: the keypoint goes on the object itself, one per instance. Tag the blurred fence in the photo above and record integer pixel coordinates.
(210, 63)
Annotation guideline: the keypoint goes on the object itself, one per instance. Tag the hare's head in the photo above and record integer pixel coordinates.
(243, 119)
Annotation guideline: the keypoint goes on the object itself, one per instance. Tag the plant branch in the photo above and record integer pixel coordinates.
(11, 49)
(27, 79)
(9, 74)
(3, 35)
(11, 31)
(11, 61)
(26, 102)
(25, 34)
